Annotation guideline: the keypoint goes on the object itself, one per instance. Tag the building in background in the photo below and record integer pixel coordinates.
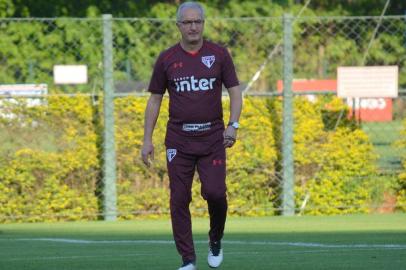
(364, 109)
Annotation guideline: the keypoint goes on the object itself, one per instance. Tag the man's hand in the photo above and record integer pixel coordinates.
(230, 136)
(147, 153)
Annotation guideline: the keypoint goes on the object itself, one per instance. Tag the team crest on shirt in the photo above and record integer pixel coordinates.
(208, 61)
(170, 153)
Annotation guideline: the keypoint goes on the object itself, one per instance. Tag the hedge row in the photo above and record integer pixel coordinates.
(50, 163)
(401, 190)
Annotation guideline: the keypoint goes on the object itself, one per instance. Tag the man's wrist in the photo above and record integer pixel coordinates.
(147, 141)
(234, 124)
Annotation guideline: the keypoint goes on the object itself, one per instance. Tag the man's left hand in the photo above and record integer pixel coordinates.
(230, 136)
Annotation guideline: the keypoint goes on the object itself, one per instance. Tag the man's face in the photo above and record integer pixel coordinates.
(191, 26)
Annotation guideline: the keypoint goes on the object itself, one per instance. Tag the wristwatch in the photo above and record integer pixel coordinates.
(235, 125)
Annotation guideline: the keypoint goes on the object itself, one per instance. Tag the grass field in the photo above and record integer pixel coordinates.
(383, 135)
(340, 242)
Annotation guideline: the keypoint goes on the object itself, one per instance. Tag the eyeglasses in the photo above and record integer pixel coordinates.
(191, 22)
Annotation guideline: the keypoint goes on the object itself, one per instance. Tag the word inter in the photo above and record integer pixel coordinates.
(192, 84)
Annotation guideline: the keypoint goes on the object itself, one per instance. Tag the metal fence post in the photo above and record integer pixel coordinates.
(288, 200)
(109, 153)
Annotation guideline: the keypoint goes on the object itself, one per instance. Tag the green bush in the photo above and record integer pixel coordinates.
(50, 164)
(333, 166)
(343, 180)
(57, 182)
(401, 191)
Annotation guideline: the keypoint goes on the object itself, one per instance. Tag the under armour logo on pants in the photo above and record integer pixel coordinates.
(217, 162)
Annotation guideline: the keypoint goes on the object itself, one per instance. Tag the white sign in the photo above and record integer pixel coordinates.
(70, 74)
(367, 82)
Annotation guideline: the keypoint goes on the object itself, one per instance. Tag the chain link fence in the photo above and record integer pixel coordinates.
(68, 148)
(321, 46)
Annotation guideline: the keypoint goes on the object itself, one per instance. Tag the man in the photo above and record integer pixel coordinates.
(193, 71)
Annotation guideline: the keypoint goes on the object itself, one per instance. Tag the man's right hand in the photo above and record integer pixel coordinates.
(147, 153)
(151, 115)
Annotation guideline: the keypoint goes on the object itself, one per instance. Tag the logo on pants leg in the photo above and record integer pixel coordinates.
(170, 153)
(217, 162)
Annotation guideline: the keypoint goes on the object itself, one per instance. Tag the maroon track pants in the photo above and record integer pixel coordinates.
(212, 173)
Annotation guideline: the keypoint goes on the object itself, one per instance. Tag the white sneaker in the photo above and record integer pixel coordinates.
(189, 266)
(215, 256)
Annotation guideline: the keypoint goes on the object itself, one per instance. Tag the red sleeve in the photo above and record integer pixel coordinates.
(158, 83)
(229, 76)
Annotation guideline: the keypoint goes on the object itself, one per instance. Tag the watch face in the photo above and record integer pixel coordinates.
(235, 125)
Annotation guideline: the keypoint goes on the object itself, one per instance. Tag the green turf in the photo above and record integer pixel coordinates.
(383, 135)
(347, 242)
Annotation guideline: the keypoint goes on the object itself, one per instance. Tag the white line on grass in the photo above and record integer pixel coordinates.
(228, 242)
(317, 245)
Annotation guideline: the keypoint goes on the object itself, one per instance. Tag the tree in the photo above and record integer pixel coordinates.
(6, 8)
